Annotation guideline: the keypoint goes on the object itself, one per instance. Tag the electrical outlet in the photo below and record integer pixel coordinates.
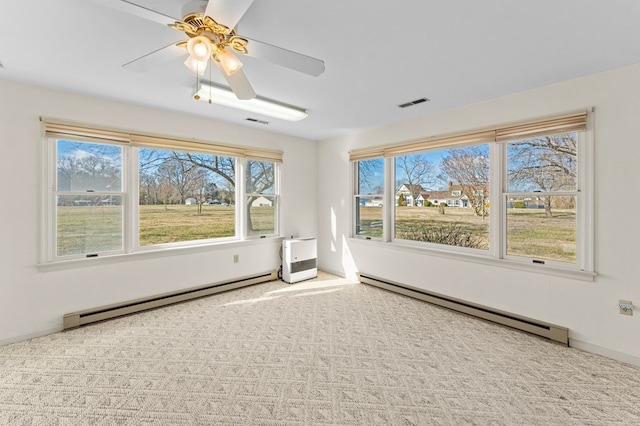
(236, 258)
(626, 307)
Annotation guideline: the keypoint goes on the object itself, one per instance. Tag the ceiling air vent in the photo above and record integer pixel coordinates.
(411, 103)
(255, 120)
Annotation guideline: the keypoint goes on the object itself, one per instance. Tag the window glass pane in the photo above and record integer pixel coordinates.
(542, 227)
(442, 197)
(368, 210)
(547, 163)
(261, 201)
(83, 166)
(369, 200)
(262, 215)
(260, 177)
(370, 176)
(185, 196)
(88, 224)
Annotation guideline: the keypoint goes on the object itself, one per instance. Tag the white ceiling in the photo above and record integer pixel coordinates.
(378, 54)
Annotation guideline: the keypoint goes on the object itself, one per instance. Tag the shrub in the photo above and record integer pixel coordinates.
(452, 234)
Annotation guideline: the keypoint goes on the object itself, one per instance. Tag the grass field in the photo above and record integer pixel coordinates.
(529, 232)
(86, 229)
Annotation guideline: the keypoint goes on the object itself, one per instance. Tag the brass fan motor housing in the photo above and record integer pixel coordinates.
(196, 24)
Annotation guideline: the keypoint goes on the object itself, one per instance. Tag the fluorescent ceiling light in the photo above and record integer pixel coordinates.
(223, 96)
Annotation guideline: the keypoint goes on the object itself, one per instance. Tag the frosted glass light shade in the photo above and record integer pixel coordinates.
(199, 48)
(198, 67)
(230, 64)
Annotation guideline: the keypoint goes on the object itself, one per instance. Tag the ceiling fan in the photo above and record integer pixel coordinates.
(212, 41)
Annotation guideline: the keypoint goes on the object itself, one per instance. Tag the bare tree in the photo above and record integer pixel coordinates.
(544, 164)
(224, 167)
(260, 179)
(370, 176)
(184, 175)
(468, 167)
(417, 172)
(90, 172)
(184, 179)
(149, 188)
(206, 175)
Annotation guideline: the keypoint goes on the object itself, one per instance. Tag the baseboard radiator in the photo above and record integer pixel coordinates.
(544, 329)
(77, 319)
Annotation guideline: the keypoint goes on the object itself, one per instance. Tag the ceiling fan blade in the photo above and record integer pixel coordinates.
(227, 12)
(239, 83)
(157, 57)
(286, 58)
(137, 10)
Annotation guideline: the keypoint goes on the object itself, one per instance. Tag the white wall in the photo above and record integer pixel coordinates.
(32, 301)
(588, 309)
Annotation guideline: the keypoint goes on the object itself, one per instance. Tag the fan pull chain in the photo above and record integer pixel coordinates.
(197, 95)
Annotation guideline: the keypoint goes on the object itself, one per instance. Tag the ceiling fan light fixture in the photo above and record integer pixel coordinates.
(230, 63)
(199, 48)
(223, 96)
(198, 67)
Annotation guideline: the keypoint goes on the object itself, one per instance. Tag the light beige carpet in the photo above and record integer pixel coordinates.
(321, 352)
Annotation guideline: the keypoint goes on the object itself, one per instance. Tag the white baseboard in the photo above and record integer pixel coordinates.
(609, 353)
(23, 337)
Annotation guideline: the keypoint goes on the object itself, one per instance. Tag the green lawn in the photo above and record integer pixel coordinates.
(530, 233)
(86, 229)
(83, 229)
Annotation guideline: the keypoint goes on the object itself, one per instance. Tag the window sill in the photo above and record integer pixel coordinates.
(481, 259)
(152, 254)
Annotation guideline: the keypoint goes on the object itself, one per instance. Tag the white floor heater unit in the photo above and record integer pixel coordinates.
(299, 259)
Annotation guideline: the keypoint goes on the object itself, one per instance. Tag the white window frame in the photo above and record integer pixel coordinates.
(451, 202)
(130, 196)
(583, 269)
(51, 219)
(134, 223)
(584, 206)
(275, 196)
(385, 196)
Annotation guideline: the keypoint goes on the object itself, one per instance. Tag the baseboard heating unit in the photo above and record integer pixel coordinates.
(77, 319)
(543, 329)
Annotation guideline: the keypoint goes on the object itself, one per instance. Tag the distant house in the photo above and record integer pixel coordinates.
(190, 201)
(262, 202)
(407, 192)
(453, 196)
(373, 202)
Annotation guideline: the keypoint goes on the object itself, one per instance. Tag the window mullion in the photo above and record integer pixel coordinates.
(131, 185)
(241, 198)
(388, 218)
(497, 215)
(278, 199)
